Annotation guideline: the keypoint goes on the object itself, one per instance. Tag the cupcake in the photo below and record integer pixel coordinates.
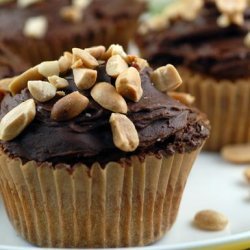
(92, 153)
(210, 47)
(38, 30)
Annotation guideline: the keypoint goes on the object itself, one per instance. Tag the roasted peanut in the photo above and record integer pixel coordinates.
(166, 78)
(184, 98)
(15, 121)
(125, 136)
(84, 78)
(210, 220)
(58, 82)
(69, 106)
(128, 84)
(42, 91)
(49, 68)
(20, 82)
(36, 27)
(238, 153)
(88, 60)
(105, 94)
(115, 65)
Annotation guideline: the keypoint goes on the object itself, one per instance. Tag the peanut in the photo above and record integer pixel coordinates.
(96, 51)
(88, 60)
(58, 82)
(15, 121)
(36, 27)
(65, 62)
(115, 66)
(125, 136)
(210, 220)
(184, 98)
(49, 68)
(69, 106)
(84, 78)
(166, 78)
(105, 94)
(239, 153)
(20, 82)
(42, 91)
(128, 84)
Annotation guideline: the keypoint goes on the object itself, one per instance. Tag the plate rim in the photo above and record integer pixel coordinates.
(230, 239)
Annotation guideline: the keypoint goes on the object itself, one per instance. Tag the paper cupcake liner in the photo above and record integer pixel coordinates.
(117, 205)
(226, 103)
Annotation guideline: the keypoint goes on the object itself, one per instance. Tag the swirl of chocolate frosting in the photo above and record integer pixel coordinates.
(163, 124)
(201, 45)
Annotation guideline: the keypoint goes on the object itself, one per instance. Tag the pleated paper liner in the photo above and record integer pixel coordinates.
(114, 206)
(226, 103)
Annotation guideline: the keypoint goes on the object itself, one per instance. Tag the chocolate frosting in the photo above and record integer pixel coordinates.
(201, 45)
(163, 124)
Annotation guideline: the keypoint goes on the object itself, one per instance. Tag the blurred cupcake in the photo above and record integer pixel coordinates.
(92, 154)
(37, 30)
(210, 45)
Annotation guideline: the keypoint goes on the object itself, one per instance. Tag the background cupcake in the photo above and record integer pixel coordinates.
(92, 154)
(40, 30)
(210, 45)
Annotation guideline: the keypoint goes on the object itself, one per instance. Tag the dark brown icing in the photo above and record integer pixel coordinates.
(201, 45)
(98, 19)
(163, 124)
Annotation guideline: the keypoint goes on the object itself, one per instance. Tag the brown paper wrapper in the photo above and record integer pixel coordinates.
(226, 103)
(118, 205)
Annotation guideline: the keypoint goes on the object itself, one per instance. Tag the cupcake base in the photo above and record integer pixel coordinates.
(51, 48)
(226, 104)
(114, 206)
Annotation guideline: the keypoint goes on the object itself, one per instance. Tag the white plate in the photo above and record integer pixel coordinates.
(213, 184)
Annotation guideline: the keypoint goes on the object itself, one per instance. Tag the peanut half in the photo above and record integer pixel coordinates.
(184, 98)
(238, 153)
(115, 65)
(125, 136)
(166, 78)
(58, 82)
(77, 62)
(4, 84)
(42, 91)
(105, 94)
(115, 49)
(65, 61)
(128, 84)
(96, 51)
(69, 106)
(137, 62)
(88, 60)
(20, 82)
(15, 121)
(36, 27)
(210, 220)
(49, 68)
(71, 14)
(84, 78)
